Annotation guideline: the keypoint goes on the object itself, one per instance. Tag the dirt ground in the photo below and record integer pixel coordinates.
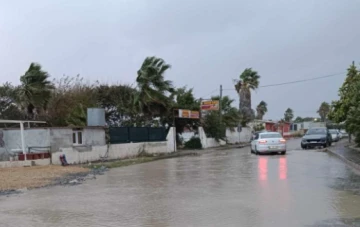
(34, 177)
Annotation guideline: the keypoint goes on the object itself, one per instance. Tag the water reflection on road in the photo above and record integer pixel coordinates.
(226, 188)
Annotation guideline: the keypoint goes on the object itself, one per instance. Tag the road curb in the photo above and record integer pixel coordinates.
(345, 160)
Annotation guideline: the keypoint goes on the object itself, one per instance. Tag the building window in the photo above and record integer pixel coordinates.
(77, 138)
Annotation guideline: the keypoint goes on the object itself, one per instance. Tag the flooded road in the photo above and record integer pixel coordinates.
(223, 188)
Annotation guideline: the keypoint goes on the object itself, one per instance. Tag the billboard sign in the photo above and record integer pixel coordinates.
(189, 114)
(209, 105)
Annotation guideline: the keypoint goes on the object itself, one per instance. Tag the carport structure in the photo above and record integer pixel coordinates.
(22, 130)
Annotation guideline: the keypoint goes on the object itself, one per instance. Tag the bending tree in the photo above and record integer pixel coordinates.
(152, 99)
(249, 80)
(261, 110)
(288, 115)
(35, 90)
(324, 110)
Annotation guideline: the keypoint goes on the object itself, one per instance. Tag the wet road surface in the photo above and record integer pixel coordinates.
(224, 188)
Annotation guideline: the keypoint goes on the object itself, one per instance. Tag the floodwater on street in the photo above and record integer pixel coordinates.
(222, 188)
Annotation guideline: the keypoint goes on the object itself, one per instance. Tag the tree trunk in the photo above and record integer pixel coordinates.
(245, 105)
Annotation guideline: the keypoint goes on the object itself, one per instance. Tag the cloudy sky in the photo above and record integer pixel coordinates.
(207, 42)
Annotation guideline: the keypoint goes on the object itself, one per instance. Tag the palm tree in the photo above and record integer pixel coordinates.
(152, 98)
(324, 110)
(249, 80)
(288, 115)
(261, 109)
(35, 90)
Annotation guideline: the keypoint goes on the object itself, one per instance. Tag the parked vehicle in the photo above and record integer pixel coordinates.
(344, 133)
(268, 142)
(334, 135)
(340, 134)
(315, 137)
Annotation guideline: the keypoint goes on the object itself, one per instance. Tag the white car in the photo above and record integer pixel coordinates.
(340, 134)
(344, 133)
(334, 135)
(268, 142)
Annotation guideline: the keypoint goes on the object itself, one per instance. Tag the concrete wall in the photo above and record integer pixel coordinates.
(233, 136)
(171, 140)
(208, 142)
(63, 138)
(33, 137)
(54, 137)
(94, 148)
(76, 155)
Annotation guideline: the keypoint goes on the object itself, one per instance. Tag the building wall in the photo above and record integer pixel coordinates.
(33, 138)
(233, 136)
(208, 142)
(63, 138)
(76, 155)
(171, 140)
(54, 137)
(43, 138)
(60, 138)
(269, 126)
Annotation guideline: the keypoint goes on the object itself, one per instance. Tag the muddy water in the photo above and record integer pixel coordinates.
(227, 188)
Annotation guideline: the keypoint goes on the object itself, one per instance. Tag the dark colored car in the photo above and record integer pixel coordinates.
(315, 137)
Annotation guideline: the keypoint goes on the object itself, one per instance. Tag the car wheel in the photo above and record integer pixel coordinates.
(283, 153)
(256, 151)
(251, 151)
(325, 145)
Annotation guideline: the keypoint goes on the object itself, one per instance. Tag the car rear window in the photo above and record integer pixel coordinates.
(270, 135)
(316, 131)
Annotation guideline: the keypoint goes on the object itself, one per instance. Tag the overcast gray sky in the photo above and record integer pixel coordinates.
(207, 42)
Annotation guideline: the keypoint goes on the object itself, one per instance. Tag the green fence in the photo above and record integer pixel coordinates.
(136, 134)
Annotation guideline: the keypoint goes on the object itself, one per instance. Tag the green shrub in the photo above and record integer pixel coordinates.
(213, 128)
(193, 143)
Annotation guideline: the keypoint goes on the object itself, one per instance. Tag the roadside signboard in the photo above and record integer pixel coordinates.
(189, 114)
(195, 115)
(209, 105)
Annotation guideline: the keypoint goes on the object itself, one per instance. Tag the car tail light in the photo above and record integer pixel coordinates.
(282, 141)
(262, 141)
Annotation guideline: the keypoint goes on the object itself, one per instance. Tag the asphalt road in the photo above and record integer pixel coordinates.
(223, 188)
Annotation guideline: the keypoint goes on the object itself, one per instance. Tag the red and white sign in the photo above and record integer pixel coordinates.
(210, 105)
(189, 114)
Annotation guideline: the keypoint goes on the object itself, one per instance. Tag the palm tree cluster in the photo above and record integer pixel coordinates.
(63, 102)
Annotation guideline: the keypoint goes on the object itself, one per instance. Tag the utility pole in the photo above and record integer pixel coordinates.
(220, 107)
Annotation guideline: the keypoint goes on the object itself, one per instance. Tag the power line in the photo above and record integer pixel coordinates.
(297, 81)
(209, 93)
